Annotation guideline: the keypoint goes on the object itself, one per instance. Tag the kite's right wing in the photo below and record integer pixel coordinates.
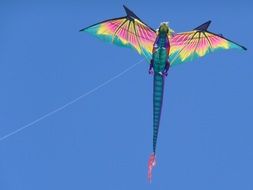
(187, 46)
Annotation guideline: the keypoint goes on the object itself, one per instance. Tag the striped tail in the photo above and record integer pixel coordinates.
(157, 106)
(157, 109)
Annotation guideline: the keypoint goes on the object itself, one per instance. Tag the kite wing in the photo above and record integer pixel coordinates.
(128, 31)
(187, 46)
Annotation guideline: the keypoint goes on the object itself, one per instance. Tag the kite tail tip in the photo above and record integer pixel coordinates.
(151, 164)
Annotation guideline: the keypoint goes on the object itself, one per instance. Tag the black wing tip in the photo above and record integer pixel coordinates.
(83, 29)
(125, 7)
(244, 48)
(130, 13)
(204, 26)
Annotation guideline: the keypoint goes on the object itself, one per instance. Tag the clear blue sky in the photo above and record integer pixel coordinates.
(104, 140)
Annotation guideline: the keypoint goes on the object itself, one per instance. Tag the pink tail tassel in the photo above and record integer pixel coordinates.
(151, 164)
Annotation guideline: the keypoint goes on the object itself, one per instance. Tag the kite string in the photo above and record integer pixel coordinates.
(69, 103)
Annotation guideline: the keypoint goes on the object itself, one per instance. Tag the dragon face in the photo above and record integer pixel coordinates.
(164, 28)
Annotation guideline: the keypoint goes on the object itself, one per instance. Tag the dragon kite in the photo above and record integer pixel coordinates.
(162, 48)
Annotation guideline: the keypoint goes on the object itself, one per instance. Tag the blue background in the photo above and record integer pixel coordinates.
(104, 140)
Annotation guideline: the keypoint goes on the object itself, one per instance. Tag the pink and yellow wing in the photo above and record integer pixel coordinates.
(187, 46)
(128, 31)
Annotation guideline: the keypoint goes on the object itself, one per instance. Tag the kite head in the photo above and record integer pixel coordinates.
(164, 28)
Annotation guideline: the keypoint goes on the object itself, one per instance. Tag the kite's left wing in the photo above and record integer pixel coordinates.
(187, 46)
(127, 31)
